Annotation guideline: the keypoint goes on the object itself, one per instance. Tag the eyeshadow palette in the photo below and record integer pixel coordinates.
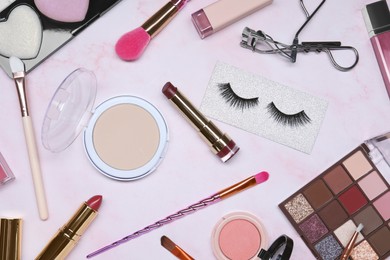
(264, 107)
(326, 211)
(33, 29)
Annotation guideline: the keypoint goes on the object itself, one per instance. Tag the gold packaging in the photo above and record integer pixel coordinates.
(10, 238)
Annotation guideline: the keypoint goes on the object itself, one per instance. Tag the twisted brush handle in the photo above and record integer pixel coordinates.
(190, 209)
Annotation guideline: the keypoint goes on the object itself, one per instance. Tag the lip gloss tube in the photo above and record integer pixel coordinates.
(377, 18)
(220, 144)
(222, 13)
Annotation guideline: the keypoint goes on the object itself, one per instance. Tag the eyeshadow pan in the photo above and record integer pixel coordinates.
(345, 232)
(357, 165)
(380, 240)
(328, 248)
(337, 179)
(369, 218)
(364, 251)
(317, 194)
(353, 199)
(299, 208)
(372, 185)
(313, 228)
(333, 215)
(383, 206)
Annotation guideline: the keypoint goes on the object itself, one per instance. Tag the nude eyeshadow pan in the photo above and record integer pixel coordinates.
(327, 210)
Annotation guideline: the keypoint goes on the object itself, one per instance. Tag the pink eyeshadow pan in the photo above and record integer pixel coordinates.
(372, 185)
(383, 206)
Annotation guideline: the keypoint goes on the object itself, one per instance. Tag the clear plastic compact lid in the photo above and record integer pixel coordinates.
(69, 110)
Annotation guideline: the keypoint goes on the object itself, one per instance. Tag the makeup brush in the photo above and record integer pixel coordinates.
(174, 249)
(217, 197)
(18, 73)
(348, 249)
(132, 44)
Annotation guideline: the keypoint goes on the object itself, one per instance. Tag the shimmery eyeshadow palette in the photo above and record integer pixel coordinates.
(326, 211)
(33, 29)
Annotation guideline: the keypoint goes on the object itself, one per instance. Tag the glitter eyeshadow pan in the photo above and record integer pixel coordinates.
(326, 211)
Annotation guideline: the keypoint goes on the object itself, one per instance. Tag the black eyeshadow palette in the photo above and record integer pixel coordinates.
(327, 210)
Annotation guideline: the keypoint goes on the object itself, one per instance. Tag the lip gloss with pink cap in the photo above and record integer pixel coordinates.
(377, 18)
(222, 13)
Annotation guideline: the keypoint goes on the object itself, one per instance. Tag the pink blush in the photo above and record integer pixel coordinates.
(239, 239)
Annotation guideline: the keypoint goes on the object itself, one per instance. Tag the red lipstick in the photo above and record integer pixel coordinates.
(67, 237)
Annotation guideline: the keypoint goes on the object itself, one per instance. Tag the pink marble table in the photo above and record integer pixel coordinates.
(359, 108)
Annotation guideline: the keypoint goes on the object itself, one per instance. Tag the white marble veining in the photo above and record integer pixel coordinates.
(358, 108)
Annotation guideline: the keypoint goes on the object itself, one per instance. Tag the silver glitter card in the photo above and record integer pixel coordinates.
(264, 107)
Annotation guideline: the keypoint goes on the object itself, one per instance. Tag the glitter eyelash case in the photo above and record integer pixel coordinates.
(263, 107)
(125, 137)
(34, 29)
(355, 190)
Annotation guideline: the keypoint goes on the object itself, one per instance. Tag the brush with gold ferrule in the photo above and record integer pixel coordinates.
(18, 73)
(175, 249)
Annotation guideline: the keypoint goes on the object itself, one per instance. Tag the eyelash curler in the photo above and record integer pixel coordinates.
(253, 40)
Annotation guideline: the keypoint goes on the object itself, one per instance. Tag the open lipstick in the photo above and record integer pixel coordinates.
(67, 237)
(220, 144)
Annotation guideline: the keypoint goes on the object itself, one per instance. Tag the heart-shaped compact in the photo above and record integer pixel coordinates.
(67, 11)
(21, 33)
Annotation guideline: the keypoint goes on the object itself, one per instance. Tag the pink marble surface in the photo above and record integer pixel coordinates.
(359, 108)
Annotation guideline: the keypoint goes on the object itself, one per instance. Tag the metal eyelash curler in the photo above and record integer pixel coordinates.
(252, 40)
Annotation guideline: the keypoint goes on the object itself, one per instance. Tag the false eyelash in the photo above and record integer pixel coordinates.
(293, 120)
(235, 100)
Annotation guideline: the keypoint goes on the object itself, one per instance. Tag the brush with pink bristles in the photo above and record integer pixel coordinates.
(132, 44)
(217, 197)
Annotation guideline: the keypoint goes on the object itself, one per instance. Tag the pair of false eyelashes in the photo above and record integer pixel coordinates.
(235, 101)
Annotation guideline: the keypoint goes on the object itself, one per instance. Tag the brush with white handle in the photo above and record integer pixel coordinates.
(18, 73)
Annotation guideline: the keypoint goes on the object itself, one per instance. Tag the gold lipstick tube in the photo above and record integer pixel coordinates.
(67, 237)
(220, 144)
(10, 239)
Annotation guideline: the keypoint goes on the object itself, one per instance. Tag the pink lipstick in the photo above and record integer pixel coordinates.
(67, 237)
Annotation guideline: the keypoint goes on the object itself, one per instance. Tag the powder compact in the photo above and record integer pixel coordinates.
(125, 137)
(238, 235)
(326, 211)
(33, 29)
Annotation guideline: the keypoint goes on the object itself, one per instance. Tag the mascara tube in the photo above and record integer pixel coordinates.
(220, 144)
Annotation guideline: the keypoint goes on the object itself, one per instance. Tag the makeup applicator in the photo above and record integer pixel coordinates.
(18, 73)
(348, 249)
(132, 44)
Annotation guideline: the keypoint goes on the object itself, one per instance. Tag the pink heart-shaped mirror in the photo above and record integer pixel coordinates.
(21, 33)
(67, 11)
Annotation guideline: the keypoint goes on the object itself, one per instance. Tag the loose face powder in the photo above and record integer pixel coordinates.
(238, 236)
(126, 138)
